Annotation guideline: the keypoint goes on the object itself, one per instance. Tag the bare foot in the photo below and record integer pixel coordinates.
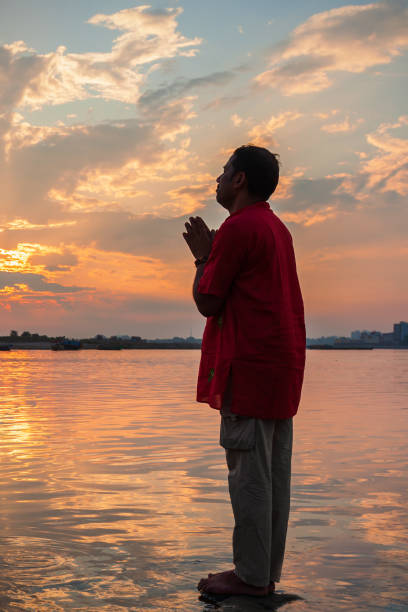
(203, 584)
(228, 583)
(220, 574)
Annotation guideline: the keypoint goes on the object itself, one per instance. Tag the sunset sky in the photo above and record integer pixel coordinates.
(117, 117)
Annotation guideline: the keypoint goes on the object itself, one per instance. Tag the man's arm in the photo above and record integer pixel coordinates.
(207, 305)
(199, 238)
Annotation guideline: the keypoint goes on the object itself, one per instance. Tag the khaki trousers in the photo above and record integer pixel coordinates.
(258, 453)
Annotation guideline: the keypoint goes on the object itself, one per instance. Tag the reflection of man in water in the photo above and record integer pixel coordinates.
(252, 361)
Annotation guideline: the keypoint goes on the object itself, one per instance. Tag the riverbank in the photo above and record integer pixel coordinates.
(87, 346)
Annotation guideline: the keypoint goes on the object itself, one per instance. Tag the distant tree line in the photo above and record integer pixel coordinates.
(100, 341)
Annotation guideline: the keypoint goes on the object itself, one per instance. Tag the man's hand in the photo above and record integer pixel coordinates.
(198, 237)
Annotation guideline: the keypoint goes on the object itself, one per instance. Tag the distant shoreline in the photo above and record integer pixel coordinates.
(346, 347)
(46, 346)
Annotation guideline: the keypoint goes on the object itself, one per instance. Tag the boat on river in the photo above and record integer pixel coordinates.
(66, 345)
(109, 347)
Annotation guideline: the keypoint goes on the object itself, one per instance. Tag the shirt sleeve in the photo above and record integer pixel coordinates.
(225, 262)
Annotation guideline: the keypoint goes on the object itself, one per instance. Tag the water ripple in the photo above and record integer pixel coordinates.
(113, 492)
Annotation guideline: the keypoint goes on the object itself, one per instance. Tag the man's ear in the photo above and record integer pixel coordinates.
(240, 178)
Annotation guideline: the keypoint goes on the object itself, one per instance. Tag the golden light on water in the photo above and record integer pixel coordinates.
(113, 473)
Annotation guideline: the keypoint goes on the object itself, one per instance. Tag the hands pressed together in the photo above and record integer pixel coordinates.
(198, 237)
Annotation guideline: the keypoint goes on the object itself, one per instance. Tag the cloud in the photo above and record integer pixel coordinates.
(132, 186)
(223, 101)
(153, 98)
(150, 35)
(95, 268)
(36, 282)
(118, 273)
(351, 38)
(236, 120)
(284, 190)
(59, 160)
(187, 199)
(310, 216)
(84, 315)
(34, 80)
(89, 289)
(23, 224)
(109, 232)
(386, 171)
(380, 182)
(56, 262)
(20, 258)
(342, 126)
(309, 201)
(51, 171)
(263, 133)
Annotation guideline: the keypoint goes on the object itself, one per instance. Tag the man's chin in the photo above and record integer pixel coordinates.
(220, 202)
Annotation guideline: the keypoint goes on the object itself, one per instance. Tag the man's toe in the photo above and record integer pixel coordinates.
(202, 584)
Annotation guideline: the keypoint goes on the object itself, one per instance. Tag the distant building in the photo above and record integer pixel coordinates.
(401, 332)
(388, 338)
(342, 340)
(398, 337)
(321, 340)
(373, 337)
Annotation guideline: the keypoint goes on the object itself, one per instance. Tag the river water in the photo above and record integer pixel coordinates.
(113, 492)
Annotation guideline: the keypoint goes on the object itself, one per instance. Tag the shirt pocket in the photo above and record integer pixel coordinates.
(237, 433)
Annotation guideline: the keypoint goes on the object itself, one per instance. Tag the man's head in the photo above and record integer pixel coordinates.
(251, 173)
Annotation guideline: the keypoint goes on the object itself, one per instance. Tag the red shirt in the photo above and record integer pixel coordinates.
(259, 335)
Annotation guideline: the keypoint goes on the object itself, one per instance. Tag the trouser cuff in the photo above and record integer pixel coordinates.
(248, 580)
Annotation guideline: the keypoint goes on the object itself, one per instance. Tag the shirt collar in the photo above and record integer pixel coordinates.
(257, 205)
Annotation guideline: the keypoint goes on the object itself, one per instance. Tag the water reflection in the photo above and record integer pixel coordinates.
(114, 495)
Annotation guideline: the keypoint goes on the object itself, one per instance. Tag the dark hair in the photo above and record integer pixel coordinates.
(261, 169)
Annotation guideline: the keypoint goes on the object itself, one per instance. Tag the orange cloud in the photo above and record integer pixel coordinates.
(122, 165)
(349, 38)
(112, 272)
(263, 133)
(17, 260)
(387, 169)
(23, 224)
(284, 190)
(368, 252)
(21, 133)
(59, 77)
(40, 275)
(310, 216)
(187, 199)
(342, 126)
(138, 186)
(236, 120)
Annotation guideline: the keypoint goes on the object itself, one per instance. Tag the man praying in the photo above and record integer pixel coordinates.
(252, 361)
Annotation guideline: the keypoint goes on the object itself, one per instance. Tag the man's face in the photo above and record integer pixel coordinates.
(226, 193)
